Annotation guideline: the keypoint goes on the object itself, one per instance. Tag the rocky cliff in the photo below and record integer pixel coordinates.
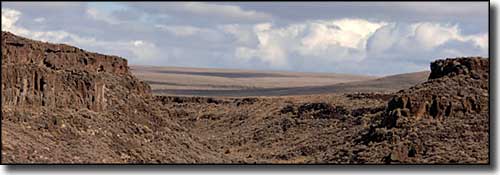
(38, 74)
(439, 119)
(455, 86)
(61, 104)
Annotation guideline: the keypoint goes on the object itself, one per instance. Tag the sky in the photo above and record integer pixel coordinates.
(370, 38)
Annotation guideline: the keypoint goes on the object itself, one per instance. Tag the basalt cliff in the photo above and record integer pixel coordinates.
(61, 104)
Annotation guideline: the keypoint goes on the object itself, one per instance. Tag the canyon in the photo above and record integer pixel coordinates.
(65, 105)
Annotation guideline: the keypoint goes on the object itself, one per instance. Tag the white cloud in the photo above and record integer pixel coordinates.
(9, 18)
(101, 16)
(244, 35)
(146, 51)
(203, 8)
(138, 43)
(423, 40)
(203, 11)
(312, 45)
(180, 30)
(338, 38)
(140, 51)
(430, 35)
(272, 46)
(481, 40)
(262, 27)
(183, 31)
(355, 32)
(320, 40)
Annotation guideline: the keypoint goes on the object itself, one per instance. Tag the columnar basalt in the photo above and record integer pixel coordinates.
(61, 104)
(37, 74)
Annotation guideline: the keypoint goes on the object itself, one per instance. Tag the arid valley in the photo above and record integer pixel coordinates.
(62, 104)
(240, 83)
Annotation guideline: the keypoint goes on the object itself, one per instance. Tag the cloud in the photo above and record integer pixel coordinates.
(430, 35)
(342, 37)
(335, 44)
(180, 30)
(320, 40)
(137, 50)
(45, 4)
(201, 11)
(147, 52)
(443, 8)
(243, 34)
(472, 13)
(202, 8)
(48, 9)
(9, 18)
(186, 31)
(111, 13)
(101, 16)
(345, 33)
(424, 41)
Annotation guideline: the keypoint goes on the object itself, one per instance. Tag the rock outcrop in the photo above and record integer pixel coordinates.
(455, 86)
(450, 112)
(38, 74)
(474, 67)
(22, 51)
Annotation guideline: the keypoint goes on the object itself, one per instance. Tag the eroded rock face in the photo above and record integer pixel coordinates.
(61, 104)
(21, 51)
(475, 67)
(38, 74)
(438, 118)
(455, 85)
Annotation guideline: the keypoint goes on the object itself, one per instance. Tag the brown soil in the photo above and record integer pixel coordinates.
(61, 104)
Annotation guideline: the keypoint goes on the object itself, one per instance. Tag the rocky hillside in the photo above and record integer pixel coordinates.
(445, 119)
(61, 104)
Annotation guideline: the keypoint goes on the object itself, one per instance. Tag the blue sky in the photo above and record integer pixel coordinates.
(375, 38)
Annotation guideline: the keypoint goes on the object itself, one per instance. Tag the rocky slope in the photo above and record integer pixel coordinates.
(444, 120)
(61, 104)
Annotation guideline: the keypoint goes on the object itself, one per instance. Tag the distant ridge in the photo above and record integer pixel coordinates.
(236, 83)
